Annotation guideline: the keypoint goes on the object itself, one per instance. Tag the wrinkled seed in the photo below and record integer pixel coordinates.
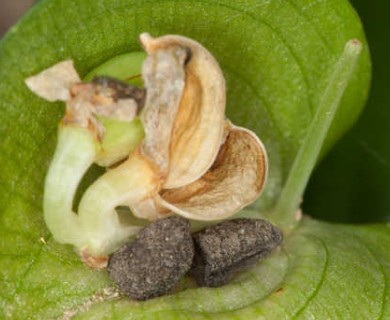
(154, 263)
(224, 249)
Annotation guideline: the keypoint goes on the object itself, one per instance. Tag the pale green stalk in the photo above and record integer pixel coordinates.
(98, 230)
(133, 181)
(76, 151)
(307, 156)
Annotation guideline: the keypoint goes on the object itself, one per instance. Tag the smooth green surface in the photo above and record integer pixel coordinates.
(277, 57)
(127, 67)
(120, 138)
(75, 152)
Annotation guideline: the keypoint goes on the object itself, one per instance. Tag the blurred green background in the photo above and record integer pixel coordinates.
(352, 184)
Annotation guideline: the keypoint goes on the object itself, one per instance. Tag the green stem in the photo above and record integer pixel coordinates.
(307, 156)
(131, 182)
(99, 229)
(76, 151)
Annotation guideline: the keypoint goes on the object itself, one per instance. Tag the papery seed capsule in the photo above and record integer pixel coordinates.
(151, 266)
(224, 249)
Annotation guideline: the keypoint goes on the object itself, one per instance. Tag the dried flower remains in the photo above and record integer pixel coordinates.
(187, 159)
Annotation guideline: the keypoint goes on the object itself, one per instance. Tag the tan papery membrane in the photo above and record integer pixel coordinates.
(235, 180)
(199, 124)
(199, 184)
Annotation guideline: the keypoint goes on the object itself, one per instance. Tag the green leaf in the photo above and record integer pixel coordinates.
(314, 276)
(277, 57)
(322, 271)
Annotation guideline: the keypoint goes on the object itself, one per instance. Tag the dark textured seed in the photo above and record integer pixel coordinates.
(151, 266)
(224, 249)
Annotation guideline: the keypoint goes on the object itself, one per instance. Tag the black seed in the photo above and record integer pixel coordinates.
(224, 249)
(151, 266)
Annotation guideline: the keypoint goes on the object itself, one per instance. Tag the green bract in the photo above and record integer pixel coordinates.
(278, 58)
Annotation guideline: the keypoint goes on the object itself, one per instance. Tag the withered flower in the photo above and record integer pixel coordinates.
(208, 168)
(192, 161)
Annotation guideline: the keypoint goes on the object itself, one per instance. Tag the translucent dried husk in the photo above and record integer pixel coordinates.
(215, 168)
(235, 180)
(199, 123)
(55, 83)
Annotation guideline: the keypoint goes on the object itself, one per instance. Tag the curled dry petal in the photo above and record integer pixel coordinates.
(54, 83)
(215, 169)
(235, 180)
(199, 124)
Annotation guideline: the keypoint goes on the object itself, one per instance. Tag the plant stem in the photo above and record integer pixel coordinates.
(97, 224)
(76, 151)
(133, 181)
(290, 198)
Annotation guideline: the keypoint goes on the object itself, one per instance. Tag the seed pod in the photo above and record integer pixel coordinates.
(235, 179)
(224, 249)
(199, 119)
(151, 266)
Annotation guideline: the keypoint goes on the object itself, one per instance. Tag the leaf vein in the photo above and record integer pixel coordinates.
(321, 281)
(382, 271)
